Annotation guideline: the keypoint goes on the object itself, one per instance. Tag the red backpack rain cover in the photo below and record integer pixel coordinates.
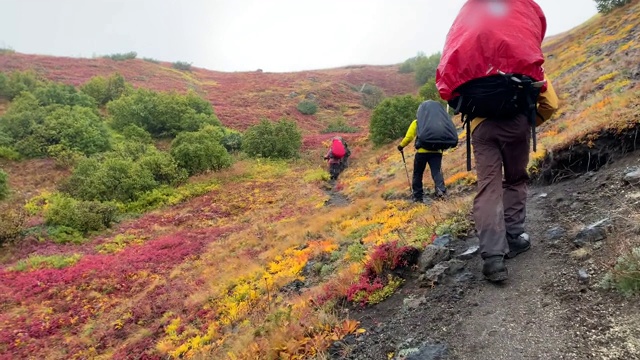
(489, 36)
(337, 149)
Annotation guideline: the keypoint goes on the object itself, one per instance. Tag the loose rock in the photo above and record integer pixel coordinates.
(556, 233)
(438, 273)
(431, 256)
(583, 276)
(592, 233)
(443, 240)
(633, 177)
(425, 352)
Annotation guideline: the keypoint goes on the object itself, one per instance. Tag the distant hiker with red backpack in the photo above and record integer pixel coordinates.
(338, 156)
(491, 72)
(434, 132)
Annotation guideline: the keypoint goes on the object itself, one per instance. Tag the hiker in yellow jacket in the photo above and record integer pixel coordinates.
(424, 157)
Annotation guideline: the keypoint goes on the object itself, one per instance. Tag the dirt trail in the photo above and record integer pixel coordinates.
(544, 311)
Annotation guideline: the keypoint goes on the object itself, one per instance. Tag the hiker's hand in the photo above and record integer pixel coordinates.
(400, 148)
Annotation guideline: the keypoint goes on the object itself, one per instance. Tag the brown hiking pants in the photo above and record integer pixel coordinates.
(500, 205)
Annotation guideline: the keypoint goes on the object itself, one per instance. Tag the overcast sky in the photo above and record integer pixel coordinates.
(241, 35)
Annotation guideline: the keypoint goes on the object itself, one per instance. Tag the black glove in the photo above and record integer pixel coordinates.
(400, 148)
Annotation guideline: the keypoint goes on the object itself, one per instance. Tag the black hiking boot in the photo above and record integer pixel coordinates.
(518, 245)
(439, 194)
(494, 269)
(418, 200)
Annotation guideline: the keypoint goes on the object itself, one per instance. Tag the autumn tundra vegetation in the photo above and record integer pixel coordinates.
(164, 210)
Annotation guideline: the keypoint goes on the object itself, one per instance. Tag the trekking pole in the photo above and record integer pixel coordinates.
(406, 170)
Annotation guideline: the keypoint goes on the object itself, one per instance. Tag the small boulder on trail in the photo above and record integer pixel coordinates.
(633, 177)
(431, 256)
(592, 233)
(437, 274)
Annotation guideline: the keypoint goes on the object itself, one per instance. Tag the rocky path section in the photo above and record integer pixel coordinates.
(552, 306)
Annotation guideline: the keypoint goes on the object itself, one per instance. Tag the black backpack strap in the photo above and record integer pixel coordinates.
(532, 99)
(466, 121)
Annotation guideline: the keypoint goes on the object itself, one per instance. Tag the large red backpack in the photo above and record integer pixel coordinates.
(337, 149)
(491, 65)
(489, 37)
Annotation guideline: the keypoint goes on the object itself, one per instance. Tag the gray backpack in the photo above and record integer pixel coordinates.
(436, 130)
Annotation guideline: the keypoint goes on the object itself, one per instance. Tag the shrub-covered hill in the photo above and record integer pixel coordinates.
(240, 99)
(258, 260)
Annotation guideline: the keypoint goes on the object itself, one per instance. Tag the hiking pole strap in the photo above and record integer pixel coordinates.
(467, 122)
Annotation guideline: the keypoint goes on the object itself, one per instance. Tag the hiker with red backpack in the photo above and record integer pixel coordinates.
(338, 156)
(434, 132)
(491, 72)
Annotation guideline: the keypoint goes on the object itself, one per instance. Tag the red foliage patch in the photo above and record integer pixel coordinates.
(65, 291)
(384, 259)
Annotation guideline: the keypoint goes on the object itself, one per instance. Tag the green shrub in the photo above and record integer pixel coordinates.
(4, 87)
(182, 65)
(9, 153)
(115, 178)
(18, 81)
(339, 125)
(34, 128)
(135, 133)
(371, 96)
(65, 235)
(12, 220)
(4, 185)
(307, 107)
(425, 68)
(606, 6)
(357, 252)
(163, 167)
(161, 114)
(76, 128)
(104, 90)
(166, 195)
(429, 91)
(34, 262)
(409, 65)
(625, 276)
(130, 149)
(83, 216)
(280, 140)
(406, 67)
(53, 93)
(122, 56)
(316, 175)
(199, 151)
(151, 60)
(231, 140)
(64, 157)
(391, 119)
(5, 139)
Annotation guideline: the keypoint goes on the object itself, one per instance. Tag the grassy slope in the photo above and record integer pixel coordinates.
(208, 276)
(240, 99)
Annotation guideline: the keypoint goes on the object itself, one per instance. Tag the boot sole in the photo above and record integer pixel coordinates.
(497, 277)
(512, 254)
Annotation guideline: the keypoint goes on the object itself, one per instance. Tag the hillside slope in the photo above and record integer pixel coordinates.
(268, 263)
(240, 99)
